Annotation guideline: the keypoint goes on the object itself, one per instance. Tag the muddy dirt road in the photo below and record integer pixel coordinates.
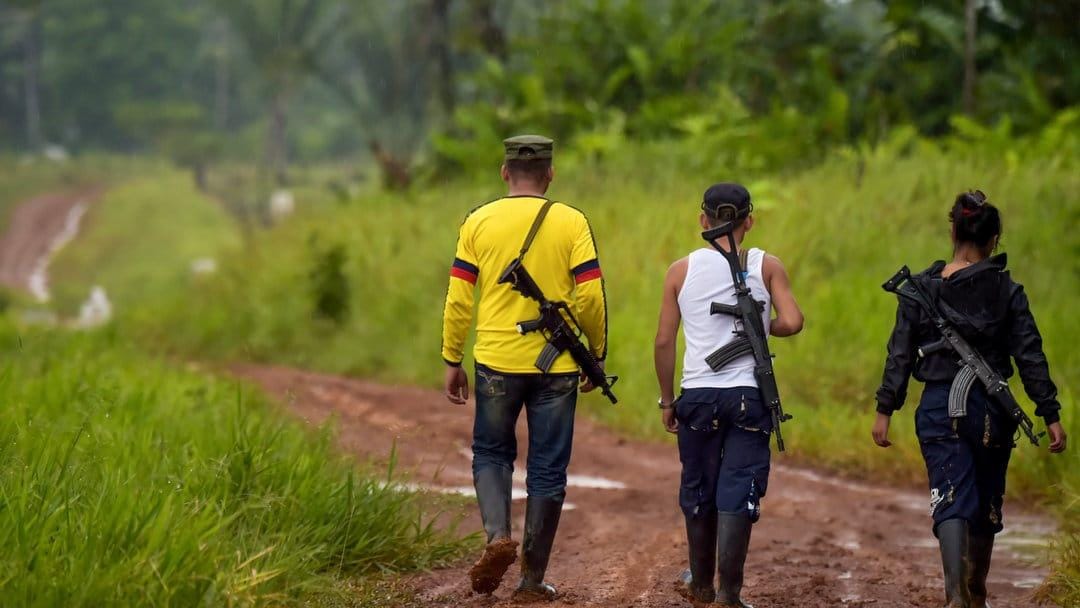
(821, 542)
(36, 228)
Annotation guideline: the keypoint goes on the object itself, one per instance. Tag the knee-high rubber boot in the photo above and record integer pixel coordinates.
(541, 522)
(981, 546)
(493, 487)
(696, 583)
(732, 544)
(954, 536)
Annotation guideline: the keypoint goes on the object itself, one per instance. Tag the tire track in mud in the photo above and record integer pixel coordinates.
(36, 229)
(822, 541)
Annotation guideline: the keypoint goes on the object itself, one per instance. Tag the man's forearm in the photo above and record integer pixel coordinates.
(664, 356)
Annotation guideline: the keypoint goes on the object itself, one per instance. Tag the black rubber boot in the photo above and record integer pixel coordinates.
(980, 547)
(953, 536)
(696, 583)
(732, 544)
(541, 522)
(493, 487)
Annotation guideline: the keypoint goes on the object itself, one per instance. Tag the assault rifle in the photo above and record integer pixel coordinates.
(972, 365)
(751, 338)
(561, 336)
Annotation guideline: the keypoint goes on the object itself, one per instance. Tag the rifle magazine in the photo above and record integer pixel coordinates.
(547, 357)
(960, 390)
(724, 355)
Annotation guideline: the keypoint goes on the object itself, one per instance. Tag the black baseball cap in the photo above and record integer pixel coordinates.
(727, 201)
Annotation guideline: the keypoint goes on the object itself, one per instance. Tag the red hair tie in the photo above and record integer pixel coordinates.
(968, 212)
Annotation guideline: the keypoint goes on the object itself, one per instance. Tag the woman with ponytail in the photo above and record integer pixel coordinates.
(967, 457)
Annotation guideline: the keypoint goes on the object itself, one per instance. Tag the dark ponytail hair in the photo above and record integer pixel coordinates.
(975, 220)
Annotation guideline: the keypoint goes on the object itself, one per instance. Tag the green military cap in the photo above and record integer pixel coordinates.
(528, 147)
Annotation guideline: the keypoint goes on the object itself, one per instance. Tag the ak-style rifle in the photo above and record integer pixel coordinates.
(750, 335)
(972, 364)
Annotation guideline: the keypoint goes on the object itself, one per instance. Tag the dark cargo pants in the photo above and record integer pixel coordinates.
(967, 476)
(724, 449)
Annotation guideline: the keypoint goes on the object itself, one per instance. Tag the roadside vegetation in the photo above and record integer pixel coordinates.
(146, 238)
(842, 228)
(372, 271)
(124, 481)
(20, 179)
(853, 123)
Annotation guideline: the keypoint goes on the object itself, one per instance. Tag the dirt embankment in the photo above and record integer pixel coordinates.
(821, 542)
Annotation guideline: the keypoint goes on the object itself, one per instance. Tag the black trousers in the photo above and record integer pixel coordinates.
(967, 476)
(724, 449)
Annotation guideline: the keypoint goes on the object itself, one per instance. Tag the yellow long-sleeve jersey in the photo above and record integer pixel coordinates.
(563, 262)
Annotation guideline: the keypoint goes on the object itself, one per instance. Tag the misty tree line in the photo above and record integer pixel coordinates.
(436, 81)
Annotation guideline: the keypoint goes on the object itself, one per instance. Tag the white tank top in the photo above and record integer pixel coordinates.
(708, 280)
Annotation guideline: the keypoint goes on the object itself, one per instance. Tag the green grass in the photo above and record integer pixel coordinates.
(841, 228)
(23, 178)
(839, 234)
(1063, 584)
(139, 242)
(126, 482)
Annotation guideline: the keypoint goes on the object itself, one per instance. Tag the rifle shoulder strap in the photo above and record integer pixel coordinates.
(535, 228)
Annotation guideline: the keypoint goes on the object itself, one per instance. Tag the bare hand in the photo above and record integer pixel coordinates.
(881, 430)
(1057, 438)
(456, 385)
(586, 384)
(671, 424)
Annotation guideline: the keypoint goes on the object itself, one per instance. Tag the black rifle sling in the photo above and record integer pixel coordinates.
(535, 228)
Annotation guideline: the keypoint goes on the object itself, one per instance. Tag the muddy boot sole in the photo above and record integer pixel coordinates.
(487, 573)
(699, 599)
(528, 595)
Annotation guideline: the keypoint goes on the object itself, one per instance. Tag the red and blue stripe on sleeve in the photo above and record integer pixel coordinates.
(464, 271)
(587, 271)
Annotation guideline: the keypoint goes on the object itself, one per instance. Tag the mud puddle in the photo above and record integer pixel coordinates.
(821, 542)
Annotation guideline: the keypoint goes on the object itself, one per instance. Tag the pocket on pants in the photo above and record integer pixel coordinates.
(562, 383)
(932, 421)
(697, 415)
(752, 415)
(489, 383)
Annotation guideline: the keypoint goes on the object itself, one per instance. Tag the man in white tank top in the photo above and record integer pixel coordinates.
(722, 423)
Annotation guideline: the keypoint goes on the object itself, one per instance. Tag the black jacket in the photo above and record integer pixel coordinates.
(991, 312)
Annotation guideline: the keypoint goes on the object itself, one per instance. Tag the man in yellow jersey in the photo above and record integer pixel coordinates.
(562, 259)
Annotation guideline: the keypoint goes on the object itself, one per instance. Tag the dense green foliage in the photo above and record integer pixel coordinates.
(203, 78)
(127, 482)
(842, 228)
(823, 107)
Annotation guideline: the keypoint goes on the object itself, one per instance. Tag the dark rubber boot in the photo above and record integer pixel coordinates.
(541, 522)
(953, 536)
(981, 546)
(493, 486)
(696, 583)
(732, 544)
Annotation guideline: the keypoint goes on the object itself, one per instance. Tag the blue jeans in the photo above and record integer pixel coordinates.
(550, 401)
(724, 449)
(967, 476)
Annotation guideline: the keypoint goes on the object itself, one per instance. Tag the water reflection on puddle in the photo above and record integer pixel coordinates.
(519, 493)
